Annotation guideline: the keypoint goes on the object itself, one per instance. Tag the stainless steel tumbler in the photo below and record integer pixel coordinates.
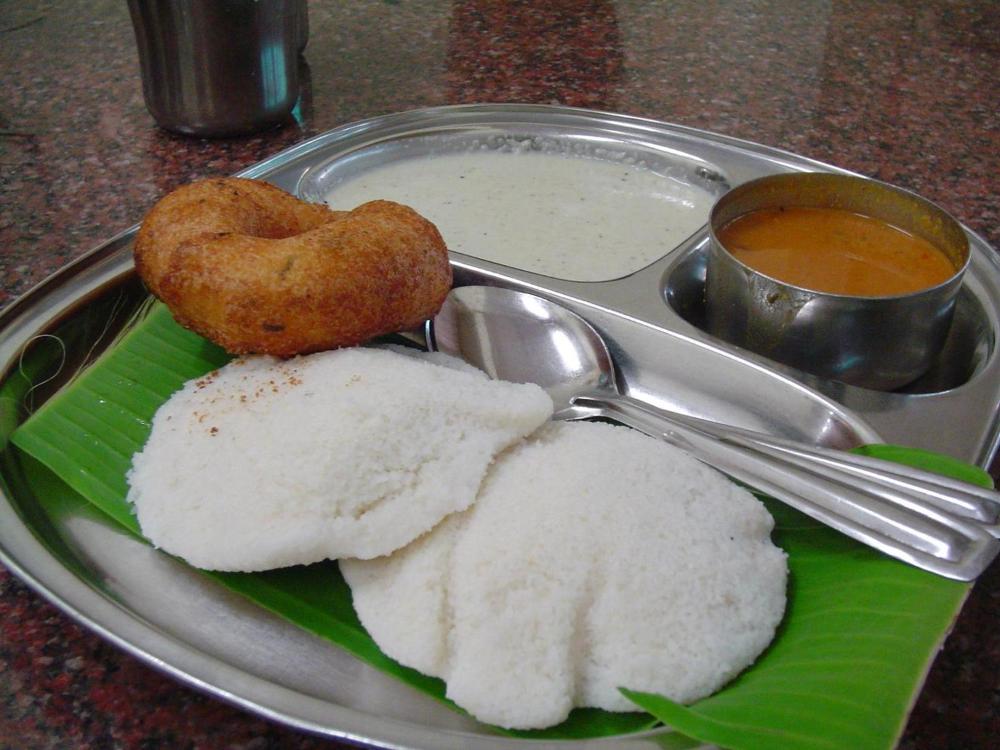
(219, 67)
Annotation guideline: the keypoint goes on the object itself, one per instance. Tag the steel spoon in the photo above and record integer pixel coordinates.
(942, 525)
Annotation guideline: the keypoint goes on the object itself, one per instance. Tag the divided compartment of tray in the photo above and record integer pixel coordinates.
(967, 349)
(535, 208)
(952, 409)
(655, 364)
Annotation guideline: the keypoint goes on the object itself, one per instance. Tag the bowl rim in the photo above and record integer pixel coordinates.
(955, 280)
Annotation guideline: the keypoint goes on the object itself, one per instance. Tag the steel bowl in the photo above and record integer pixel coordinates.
(880, 343)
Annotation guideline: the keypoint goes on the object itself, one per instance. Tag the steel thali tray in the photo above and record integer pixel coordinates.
(184, 624)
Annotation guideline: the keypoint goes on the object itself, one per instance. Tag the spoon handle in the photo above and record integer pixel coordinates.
(918, 527)
(895, 481)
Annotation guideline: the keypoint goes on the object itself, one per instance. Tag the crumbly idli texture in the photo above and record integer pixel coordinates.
(594, 558)
(267, 463)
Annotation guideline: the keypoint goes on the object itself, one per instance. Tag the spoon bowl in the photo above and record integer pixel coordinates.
(941, 525)
(523, 338)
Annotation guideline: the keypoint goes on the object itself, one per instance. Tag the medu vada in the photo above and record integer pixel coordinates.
(256, 270)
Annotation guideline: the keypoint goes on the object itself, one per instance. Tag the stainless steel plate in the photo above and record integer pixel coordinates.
(187, 626)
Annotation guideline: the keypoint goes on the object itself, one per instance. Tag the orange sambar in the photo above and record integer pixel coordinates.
(835, 251)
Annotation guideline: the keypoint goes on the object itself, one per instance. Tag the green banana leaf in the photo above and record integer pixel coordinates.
(848, 660)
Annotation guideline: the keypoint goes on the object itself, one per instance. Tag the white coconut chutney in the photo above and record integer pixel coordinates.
(572, 217)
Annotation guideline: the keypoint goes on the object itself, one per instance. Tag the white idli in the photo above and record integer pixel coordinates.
(594, 558)
(267, 463)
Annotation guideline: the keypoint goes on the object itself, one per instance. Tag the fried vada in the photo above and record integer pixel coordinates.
(256, 270)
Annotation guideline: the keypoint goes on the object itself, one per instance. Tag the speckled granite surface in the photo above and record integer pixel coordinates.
(907, 92)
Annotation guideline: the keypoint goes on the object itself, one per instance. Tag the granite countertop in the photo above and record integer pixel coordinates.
(902, 91)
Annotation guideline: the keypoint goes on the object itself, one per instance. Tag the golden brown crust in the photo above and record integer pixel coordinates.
(254, 269)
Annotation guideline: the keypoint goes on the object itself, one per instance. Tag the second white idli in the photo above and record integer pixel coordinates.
(594, 558)
(354, 452)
